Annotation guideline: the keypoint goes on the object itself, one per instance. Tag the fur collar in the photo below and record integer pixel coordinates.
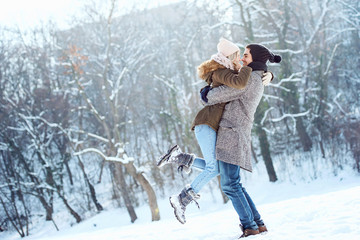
(207, 67)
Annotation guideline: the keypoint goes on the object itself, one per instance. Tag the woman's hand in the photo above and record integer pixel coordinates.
(237, 65)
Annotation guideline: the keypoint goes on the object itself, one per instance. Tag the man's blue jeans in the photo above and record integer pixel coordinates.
(206, 137)
(244, 206)
(230, 178)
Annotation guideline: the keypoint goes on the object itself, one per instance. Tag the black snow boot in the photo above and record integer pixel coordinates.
(175, 155)
(179, 202)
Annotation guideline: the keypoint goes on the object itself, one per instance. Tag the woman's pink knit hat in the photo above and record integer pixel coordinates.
(226, 47)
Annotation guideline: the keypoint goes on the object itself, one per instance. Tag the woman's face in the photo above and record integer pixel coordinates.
(238, 58)
(236, 61)
(247, 58)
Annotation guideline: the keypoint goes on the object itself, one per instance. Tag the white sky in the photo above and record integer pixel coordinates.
(29, 13)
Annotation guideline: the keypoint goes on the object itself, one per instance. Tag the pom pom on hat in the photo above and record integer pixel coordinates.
(275, 59)
(226, 47)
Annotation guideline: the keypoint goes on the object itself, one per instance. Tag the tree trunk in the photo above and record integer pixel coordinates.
(68, 170)
(120, 180)
(26, 211)
(264, 143)
(101, 171)
(254, 153)
(72, 211)
(352, 136)
(265, 152)
(292, 104)
(139, 176)
(91, 187)
(40, 194)
(50, 180)
(48, 208)
(304, 137)
(12, 221)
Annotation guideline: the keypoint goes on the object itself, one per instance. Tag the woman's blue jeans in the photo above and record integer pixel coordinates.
(206, 137)
(243, 204)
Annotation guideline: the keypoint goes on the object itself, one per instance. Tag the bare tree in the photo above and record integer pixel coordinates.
(109, 108)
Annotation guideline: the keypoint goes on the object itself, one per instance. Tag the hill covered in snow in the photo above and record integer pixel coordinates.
(321, 209)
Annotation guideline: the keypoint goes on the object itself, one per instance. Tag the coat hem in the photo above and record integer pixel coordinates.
(237, 165)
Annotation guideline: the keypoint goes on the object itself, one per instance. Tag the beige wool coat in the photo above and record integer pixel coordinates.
(233, 143)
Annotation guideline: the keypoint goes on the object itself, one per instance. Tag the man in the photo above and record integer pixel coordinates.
(206, 124)
(233, 146)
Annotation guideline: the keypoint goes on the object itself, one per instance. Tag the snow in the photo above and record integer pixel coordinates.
(327, 208)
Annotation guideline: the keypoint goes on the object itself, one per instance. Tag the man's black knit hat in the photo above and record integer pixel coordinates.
(260, 53)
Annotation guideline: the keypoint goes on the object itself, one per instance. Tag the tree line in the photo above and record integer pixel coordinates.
(85, 112)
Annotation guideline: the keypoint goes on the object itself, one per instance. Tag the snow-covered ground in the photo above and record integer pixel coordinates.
(328, 208)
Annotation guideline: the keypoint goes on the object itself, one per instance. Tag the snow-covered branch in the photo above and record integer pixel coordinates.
(28, 126)
(221, 24)
(124, 159)
(56, 125)
(294, 52)
(292, 116)
(331, 59)
(3, 147)
(267, 97)
(90, 135)
(265, 115)
(314, 89)
(117, 84)
(167, 83)
(337, 103)
(330, 106)
(278, 86)
(320, 21)
(295, 77)
(92, 107)
(268, 131)
(340, 32)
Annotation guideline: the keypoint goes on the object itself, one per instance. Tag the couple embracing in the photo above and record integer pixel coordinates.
(223, 129)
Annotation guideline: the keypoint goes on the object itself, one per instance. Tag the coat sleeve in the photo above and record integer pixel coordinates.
(223, 94)
(231, 79)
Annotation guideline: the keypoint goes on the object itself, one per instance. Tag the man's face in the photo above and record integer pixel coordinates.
(247, 58)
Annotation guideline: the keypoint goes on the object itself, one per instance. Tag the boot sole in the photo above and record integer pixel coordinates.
(172, 205)
(163, 159)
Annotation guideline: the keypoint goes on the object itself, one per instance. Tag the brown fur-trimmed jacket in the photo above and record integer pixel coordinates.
(215, 75)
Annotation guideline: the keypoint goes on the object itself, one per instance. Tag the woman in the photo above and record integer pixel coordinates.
(206, 124)
(233, 146)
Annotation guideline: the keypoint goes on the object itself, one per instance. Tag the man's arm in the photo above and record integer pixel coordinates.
(222, 94)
